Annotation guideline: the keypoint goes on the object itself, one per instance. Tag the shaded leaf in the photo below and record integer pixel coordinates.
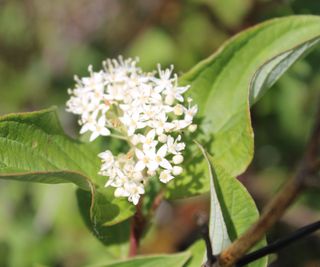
(104, 221)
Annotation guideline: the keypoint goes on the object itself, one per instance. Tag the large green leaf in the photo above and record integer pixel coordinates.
(225, 84)
(232, 209)
(107, 221)
(174, 260)
(238, 207)
(217, 227)
(34, 148)
(196, 251)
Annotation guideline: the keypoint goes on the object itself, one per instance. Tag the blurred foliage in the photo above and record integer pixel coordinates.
(44, 43)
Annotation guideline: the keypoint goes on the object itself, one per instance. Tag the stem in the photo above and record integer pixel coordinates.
(119, 137)
(279, 244)
(202, 222)
(279, 204)
(133, 241)
(205, 235)
(137, 227)
(156, 202)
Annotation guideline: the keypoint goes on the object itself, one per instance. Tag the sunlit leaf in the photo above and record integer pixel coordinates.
(232, 209)
(34, 148)
(224, 85)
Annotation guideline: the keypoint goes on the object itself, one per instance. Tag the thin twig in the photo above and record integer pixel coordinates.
(278, 205)
(279, 244)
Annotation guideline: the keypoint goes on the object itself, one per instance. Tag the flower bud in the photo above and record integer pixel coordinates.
(151, 173)
(177, 170)
(169, 100)
(162, 138)
(178, 110)
(192, 128)
(177, 159)
(135, 139)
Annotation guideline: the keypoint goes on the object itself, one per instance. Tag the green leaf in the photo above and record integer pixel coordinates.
(118, 208)
(270, 72)
(250, 62)
(217, 227)
(107, 221)
(232, 208)
(48, 177)
(196, 251)
(225, 84)
(34, 148)
(232, 212)
(173, 260)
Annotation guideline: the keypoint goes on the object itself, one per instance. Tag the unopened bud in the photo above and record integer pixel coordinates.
(177, 170)
(178, 110)
(169, 100)
(192, 128)
(151, 173)
(177, 159)
(135, 139)
(162, 138)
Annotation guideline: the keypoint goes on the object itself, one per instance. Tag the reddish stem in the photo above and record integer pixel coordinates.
(133, 241)
(137, 227)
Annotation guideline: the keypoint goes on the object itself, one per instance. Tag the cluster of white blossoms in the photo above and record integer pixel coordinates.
(147, 110)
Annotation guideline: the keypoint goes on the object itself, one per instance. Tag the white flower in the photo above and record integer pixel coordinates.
(99, 129)
(161, 124)
(121, 192)
(107, 159)
(134, 190)
(176, 92)
(178, 110)
(147, 110)
(148, 140)
(89, 123)
(132, 122)
(166, 176)
(160, 158)
(94, 82)
(145, 160)
(190, 112)
(164, 81)
(174, 146)
(152, 160)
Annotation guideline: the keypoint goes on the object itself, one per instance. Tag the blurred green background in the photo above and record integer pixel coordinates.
(44, 43)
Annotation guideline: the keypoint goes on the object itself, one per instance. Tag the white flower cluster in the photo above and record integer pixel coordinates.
(147, 110)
